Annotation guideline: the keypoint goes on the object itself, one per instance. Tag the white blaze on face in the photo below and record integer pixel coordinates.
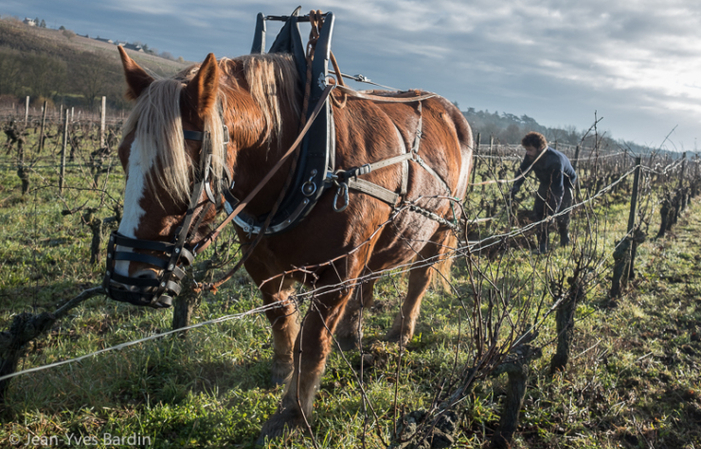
(134, 191)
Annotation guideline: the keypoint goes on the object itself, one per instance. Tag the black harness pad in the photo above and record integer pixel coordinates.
(317, 150)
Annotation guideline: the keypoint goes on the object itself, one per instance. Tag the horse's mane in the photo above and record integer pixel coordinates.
(271, 81)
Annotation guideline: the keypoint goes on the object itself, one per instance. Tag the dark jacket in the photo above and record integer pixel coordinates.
(553, 169)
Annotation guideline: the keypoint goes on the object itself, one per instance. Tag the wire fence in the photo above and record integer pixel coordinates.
(512, 326)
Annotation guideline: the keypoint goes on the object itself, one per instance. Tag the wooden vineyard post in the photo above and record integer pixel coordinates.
(680, 205)
(102, 122)
(41, 132)
(575, 162)
(62, 178)
(475, 161)
(624, 253)
(631, 219)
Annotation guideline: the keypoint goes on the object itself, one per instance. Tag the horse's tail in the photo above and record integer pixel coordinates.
(441, 270)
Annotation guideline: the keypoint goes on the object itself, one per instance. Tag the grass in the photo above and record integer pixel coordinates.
(633, 381)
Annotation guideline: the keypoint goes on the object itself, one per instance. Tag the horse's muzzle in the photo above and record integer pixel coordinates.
(162, 259)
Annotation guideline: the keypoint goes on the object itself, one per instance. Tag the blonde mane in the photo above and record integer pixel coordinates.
(157, 121)
(272, 82)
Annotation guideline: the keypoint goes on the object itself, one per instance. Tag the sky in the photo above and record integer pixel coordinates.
(633, 64)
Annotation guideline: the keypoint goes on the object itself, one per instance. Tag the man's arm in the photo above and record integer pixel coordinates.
(557, 189)
(525, 164)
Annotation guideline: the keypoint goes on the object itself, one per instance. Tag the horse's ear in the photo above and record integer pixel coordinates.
(202, 89)
(137, 78)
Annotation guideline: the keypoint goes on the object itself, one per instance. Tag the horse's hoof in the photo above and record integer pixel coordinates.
(349, 342)
(397, 337)
(285, 423)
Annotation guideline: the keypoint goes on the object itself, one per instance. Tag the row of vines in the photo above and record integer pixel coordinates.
(504, 310)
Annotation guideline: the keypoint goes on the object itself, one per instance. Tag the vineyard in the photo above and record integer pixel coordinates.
(595, 344)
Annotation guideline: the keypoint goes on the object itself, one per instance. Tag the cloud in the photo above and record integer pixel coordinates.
(555, 60)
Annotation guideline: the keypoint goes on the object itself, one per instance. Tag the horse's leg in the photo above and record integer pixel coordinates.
(313, 345)
(285, 327)
(349, 332)
(283, 319)
(419, 279)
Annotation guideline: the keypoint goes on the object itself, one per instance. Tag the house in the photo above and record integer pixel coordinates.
(134, 47)
(102, 39)
(30, 22)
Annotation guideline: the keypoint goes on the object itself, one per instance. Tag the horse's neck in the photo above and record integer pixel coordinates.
(254, 157)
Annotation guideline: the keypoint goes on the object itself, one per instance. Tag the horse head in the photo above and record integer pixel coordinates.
(174, 154)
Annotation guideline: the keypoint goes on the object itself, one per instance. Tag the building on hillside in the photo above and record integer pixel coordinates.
(30, 22)
(103, 39)
(134, 47)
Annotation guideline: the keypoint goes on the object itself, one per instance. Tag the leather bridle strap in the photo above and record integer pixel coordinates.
(204, 244)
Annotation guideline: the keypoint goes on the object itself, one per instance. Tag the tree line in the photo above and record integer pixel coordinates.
(507, 128)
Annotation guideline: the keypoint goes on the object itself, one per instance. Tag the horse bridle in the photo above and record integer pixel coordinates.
(164, 257)
(159, 292)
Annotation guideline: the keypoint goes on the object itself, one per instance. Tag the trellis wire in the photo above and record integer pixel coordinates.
(457, 252)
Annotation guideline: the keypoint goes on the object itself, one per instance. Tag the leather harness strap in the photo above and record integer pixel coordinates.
(364, 95)
(349, 179)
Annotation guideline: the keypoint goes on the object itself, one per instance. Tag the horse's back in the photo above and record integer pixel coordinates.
(438, 133)
(373, 130)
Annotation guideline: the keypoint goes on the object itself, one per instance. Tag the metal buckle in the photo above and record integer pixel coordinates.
(342, 190)
(309, 188)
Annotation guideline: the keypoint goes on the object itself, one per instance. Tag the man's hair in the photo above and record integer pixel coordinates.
(535, 140)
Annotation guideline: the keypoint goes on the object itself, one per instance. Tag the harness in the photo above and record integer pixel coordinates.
(316, 171)
(315, 174)
(317, 152)
(164, 257)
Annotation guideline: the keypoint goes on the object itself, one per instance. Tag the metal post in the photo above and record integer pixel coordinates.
(26, 110)
(61, 179)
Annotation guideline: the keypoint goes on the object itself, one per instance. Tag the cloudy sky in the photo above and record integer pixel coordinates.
(634, 63)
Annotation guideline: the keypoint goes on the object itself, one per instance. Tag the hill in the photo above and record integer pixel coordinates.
(508, 128)
(63, 67)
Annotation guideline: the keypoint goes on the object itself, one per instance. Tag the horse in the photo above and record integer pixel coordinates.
(248, 109)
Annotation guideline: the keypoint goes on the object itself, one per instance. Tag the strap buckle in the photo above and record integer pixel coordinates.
(342, 190)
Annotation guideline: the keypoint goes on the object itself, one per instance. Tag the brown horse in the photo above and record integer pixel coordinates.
(258, 98)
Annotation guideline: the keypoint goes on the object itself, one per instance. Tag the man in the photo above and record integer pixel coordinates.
(557, 179)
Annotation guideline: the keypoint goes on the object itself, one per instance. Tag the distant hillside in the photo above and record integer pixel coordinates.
(62, 67)
(509, 129)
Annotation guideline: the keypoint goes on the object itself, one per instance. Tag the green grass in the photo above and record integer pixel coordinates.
(633, 380)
